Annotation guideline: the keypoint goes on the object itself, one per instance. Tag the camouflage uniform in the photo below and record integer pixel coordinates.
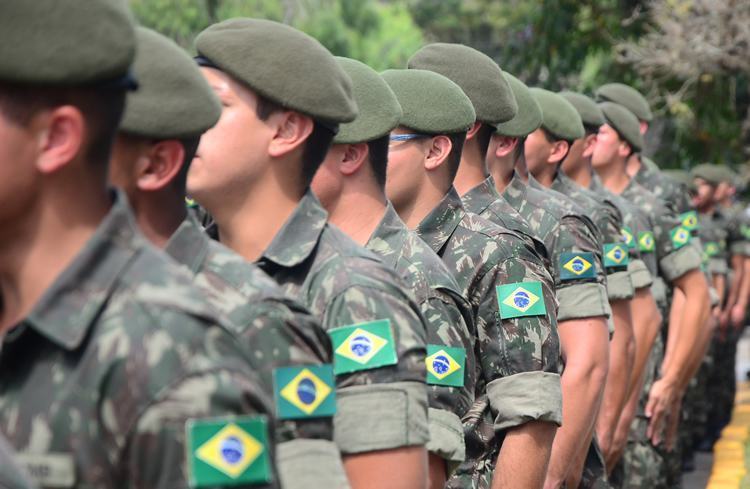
(277, 332)
(344, 285)
(111, 364)
(449, 323)
(517, 356)
(671, 192)
(11, 475)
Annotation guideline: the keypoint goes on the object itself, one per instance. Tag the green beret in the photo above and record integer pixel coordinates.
(529, 116)
(628, 97)
(728, 175)
(591, 114)
(477, 74)
(432, 104)
(71, 43)
(709, 172)
(379, 110)
(282, 64)
(679, 175)
(173, 100)
(624, 122)
(559, 117)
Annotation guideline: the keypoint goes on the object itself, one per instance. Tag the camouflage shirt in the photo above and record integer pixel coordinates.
(117, 365)
(517, 348)
(714, 241)
(674, 194)
(449, 324)
(738, 229)
(277, 333)
(380, 334)
(580, 284)
(608, 222)
(485, 201)
(11, 475)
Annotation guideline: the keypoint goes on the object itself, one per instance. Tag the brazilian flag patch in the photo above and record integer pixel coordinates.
(363, 346)
(520, 299)
(711, 249)
(646, 242)
(445, 365)
(304, 392)
(615, 255)
(689, 220)
(577, 265)
(190, 203)
(680, 237)
(228, 452)
(627, 237)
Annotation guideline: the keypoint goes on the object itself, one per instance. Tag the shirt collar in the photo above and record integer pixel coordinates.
(299, 236)
(188, 245)
(442, 221)
(515, 192)
(68, 308)
(390, 230)
(478, 199)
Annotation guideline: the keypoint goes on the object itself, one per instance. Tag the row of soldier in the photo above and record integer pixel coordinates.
(428, 277)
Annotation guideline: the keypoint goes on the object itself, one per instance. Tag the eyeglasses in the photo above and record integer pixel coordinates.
(406, 137)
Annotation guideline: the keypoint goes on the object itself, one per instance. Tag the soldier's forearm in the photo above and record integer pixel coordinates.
(524, 456)
(735, 284)
(646, 323)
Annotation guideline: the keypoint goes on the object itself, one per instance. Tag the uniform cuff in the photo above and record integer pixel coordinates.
(713, 296)
(680, 262)
(740, 248)
(380, 417)
(619, 286)
(717, 266)
(639, 274)
(525, 397)
(659, 290)
(582, 301)
(304, 463)
(446, 435)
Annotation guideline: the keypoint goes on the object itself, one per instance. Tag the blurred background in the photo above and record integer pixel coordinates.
(690, 57)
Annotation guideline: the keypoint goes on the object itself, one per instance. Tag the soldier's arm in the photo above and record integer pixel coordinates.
(380, 424)
(740, 308)
(523, 458)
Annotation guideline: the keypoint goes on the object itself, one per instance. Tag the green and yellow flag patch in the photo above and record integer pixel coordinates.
(577, 265)
(304, 391)
(627, 237)
(711, 249)
(228, 452)
(615, 255)
(445, 365)
(646, 242)
(745, 231)
(689, 220)
(680, 237)
(520, 299)
(363, 346)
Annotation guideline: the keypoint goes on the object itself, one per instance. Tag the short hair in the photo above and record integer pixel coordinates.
(553, 139)
(484, 136)
(190, 145)
(590, 129)
(317, 144)
(377, 150)
(102, 108)
(518, 151)
(454, 157)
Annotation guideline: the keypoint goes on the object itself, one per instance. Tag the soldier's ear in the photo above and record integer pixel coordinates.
(355, 156)
(504, 145)
(439, 149)
(473, 130)
(624, 149)
(558, 151)
(160, 165)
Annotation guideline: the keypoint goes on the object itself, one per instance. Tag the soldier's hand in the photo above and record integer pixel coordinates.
(661, 398)
(738, 316)
(673, 424)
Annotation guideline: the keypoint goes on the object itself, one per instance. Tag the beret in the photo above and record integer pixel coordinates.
(71, 43)
(591, 114)
(628, 97)
(728, 175)
(678, 175)
(379, 110)
(477, 74)
(624, 122)
(559, 117)
(173, 100)
(282, 64)
(431, 103)
(709, 172)
(529, 116)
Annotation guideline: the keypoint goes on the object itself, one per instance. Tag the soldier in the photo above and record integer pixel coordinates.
(283, 97)
(509, 428)
(351, 186)
(679, 264)
(115, 372)
(158, 136)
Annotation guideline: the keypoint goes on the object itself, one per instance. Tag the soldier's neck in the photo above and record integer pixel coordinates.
(357, 212)
(613, 177)
(633, 165)
(159, 215)
(473, 168)
(547, 175)
(502, 170)
(581, 173)
(38, 247)
(426, 198)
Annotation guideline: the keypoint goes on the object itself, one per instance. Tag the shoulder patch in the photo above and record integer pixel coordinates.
(711, 249)
(627, 237)
(615, 255)
(304, 391)
(646, 242)
(577, 265)
(680, 237)
(363, 346)
(445, 365)
(228, 451)
(520, 299)
(689, 220)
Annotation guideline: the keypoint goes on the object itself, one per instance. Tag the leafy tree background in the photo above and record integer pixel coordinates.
(683, 54)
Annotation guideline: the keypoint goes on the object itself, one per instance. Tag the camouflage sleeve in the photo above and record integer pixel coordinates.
(380, 388)
(619, 282)
(167, 446)
(738, 238)
(639, 274)
(676, 252)
(519, 349)
(449, 396)
(11, 475)
(580, 282)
